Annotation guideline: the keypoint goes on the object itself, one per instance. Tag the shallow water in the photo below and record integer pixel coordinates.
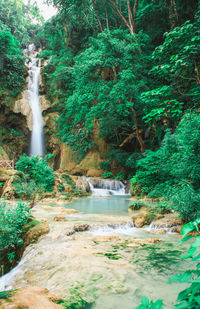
(110, 205)
(114, 274)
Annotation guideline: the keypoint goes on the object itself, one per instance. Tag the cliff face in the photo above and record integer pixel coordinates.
(14, 131)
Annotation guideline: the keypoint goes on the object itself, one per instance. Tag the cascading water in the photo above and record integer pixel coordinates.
(102, 187)
(34, 101)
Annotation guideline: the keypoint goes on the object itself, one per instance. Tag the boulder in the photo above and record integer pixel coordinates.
(81, 227)
(34, 230)
(59, 218)
(142, 218)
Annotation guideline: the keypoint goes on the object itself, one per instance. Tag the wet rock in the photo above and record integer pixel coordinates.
(69, 232)
(142, 218)
(135, 205)
(31, 298)
(176, 229)
(159, 231)
(168, 221)
(34, 230)
(100, 238)
(82, 184)
(146, 241)
(81, 227)
(59, 218)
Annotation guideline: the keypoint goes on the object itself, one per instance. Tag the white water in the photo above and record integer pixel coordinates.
(6, 281)
(124, 229)
(103, 187)
(34, 101)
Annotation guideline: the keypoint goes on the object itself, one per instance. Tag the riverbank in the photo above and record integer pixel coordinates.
(100, 256)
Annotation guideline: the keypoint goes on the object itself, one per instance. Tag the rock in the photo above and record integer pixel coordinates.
(100, 238)
(22, 106)
(69, 232)
(59, 218)
(33, 231)
(142, 218)
(159, 216)
(136, 205)
(68, 211)
(94, 172)
(177, 229)
(146, 241)
(159, 231)
(81, 227)
(8, 190)
(31, 298)
(168, 221)
(82, 184)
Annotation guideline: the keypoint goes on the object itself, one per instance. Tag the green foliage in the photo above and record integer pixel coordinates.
(189, 298)
(135, 205)
(76, 300)
(108, 175)
(146, 304)
(5, 294)
(12, 220)
(12, 75)
(35, 176)
(173, 170)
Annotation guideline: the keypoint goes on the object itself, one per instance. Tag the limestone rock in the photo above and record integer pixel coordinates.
(142, 218)
(94, 172)
(146, 241)
(69, 232)
(22, 106)
(100, 238)
(8, 190)
(81, 227)
(31, 298)
(33, 234)
(59, 218)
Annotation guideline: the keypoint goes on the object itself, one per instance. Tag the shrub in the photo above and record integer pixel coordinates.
(173, 171)
(37, 170)
(12, 220)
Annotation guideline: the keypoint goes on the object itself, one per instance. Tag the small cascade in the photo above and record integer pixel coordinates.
(105, 187)
(7, 280)
(168, 229)
(101, 187)
(113, 229)
(34, 101)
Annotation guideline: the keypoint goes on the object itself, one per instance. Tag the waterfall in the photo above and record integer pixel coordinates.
(102, 187)
(34, 101)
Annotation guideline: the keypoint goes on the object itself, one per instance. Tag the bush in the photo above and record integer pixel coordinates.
(12, 220)
(37, 170)
(173, 171)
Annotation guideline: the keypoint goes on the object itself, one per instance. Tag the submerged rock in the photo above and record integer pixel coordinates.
(60, 218)
(100, 238)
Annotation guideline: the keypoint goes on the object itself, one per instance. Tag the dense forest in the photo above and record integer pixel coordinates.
(124, 74)
(130, 69)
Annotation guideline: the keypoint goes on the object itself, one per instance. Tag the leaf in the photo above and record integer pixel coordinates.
(184, 239)
(145, 301)
(187, 228)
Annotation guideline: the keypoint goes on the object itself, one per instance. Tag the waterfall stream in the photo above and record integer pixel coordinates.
(34, 101)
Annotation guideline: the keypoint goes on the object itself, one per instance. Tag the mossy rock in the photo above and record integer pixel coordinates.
(135, 205)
